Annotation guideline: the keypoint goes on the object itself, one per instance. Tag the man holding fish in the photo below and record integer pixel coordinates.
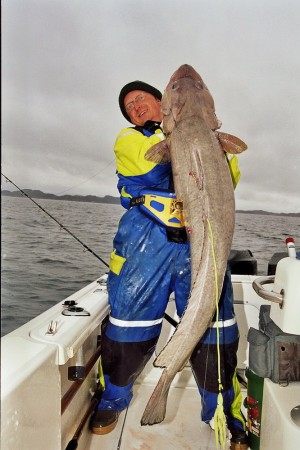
(151, 259)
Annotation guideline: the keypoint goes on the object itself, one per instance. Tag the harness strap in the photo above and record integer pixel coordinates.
(163, 207)
(136, 201)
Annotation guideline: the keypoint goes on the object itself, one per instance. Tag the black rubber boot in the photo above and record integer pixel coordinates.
(239, 440)
(103, 421)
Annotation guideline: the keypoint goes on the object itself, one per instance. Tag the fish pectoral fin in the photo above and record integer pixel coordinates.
(231, 144)
(183, 365)
(164, 359)
(162, 362)
(159, 153)
(167, 356)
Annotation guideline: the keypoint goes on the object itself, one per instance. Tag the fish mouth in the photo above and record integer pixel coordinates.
(186, 71)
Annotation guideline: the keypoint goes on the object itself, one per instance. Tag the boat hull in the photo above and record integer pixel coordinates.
(42, 408)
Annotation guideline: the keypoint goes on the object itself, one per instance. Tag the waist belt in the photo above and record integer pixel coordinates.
(164, 207)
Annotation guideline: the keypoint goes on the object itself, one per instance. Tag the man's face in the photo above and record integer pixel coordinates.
(142, 106)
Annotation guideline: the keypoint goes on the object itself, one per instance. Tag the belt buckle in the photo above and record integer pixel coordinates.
(176, 209)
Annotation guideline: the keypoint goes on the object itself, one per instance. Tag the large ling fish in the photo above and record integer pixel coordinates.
(204, 185)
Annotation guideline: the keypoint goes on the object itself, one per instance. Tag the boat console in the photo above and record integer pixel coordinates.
(274, 356)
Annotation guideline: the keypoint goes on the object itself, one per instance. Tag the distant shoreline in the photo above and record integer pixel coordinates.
(111, 200)
(75, 198)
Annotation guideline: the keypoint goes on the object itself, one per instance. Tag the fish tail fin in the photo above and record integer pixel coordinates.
(155, 410)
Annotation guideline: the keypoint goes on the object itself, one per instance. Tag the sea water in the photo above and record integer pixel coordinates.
(42, 264)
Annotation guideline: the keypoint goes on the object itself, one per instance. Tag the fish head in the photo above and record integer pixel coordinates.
(187, 94)
(186, 71)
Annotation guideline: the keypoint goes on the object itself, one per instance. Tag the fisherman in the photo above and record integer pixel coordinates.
(150, 260)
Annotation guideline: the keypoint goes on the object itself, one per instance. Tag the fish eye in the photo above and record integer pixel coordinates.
(175, 86)
(199, 85)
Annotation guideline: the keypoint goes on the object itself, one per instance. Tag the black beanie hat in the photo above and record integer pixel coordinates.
(136, 86)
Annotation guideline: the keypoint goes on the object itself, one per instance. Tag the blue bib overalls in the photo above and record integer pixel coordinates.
(146, 267)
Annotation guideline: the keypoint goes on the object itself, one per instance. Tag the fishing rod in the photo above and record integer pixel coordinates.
(172, 321)
(73, 444)
(55, 220)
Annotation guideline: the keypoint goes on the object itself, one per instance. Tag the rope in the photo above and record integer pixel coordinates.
(219, 416)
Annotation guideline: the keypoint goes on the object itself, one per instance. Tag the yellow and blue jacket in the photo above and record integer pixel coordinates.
(135, 173)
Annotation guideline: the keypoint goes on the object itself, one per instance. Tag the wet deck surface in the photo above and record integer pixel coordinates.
(182, 428)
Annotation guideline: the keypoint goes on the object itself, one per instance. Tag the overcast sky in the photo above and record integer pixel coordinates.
(65, 61)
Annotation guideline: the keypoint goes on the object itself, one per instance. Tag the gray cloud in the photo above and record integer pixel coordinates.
(64, 62)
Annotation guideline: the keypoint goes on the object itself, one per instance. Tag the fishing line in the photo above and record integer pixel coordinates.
(217, 299)
(121, 435)
(55, 220)
(166, 316)
(219, 416)
(82, 182)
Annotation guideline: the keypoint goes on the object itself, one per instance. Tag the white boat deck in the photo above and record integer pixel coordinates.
(44, 358)
(182, 428)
